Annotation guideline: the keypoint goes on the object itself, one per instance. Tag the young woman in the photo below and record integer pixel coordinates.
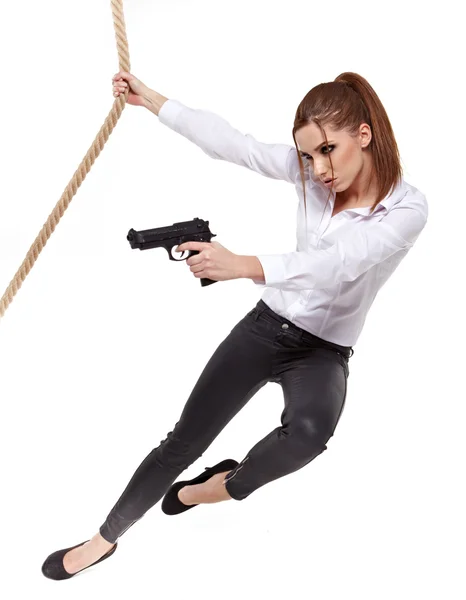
(357, 219)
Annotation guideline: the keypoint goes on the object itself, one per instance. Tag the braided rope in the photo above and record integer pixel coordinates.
(84, 167)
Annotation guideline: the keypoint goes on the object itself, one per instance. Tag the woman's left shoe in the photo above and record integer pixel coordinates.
(53, 566)
(172, 505)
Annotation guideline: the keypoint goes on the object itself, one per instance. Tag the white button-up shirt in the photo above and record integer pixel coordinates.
(329, 283)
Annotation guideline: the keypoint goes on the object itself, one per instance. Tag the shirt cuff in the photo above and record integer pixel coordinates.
(274, 269)
(169, 112)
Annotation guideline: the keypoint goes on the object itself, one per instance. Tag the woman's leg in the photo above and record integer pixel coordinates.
(240, 366)
(314, 383)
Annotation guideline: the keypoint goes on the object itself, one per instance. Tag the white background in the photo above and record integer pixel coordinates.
(102, 345)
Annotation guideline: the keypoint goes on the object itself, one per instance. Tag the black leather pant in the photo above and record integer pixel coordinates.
(262, 347)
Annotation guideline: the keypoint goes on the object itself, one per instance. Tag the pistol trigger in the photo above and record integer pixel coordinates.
(183, 252)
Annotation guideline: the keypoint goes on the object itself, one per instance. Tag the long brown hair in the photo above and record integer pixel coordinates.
(344, 104)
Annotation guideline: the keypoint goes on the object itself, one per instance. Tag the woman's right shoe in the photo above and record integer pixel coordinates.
(172, 505)
(53, 566)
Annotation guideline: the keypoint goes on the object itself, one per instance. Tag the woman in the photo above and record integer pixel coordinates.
(357, 219)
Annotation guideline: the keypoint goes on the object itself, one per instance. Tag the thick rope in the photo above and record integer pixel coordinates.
(84, 167)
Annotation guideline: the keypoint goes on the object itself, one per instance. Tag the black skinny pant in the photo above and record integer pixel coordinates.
(262, 347)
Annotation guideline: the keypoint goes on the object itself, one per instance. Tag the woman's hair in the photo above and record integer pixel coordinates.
(344, 104)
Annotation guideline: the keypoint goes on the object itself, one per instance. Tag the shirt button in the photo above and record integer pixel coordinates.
(285, 326)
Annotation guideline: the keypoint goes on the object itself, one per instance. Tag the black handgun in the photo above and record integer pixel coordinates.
(196, 230)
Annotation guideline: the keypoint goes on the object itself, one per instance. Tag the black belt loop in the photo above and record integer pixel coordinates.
(260, 307)
(301, 333)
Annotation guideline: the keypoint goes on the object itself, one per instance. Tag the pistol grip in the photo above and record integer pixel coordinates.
(205, 281)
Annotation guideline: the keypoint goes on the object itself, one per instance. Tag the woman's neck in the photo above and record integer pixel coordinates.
(363, 191)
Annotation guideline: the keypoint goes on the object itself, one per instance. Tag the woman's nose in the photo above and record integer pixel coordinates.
(322, 169)
(322, 173)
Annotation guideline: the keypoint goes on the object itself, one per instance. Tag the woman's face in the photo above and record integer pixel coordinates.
(347, 153)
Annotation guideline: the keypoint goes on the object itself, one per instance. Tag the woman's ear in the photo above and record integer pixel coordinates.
(365, 135)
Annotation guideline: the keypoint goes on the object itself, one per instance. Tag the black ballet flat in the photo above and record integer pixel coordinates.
(172, 505)
(53, 566)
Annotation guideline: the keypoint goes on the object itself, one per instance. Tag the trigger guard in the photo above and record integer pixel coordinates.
(181, 257)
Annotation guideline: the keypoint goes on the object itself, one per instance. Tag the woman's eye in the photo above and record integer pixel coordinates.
(327, 148)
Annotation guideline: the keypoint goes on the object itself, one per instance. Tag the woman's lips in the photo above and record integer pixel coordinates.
(329, 184)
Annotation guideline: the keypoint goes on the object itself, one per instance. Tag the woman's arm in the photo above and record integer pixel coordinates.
(219, 140)
(353, 253)
(154, 101)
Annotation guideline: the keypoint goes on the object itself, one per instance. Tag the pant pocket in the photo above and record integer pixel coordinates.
(344, 363)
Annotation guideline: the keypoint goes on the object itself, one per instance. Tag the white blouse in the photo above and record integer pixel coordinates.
(329, 283)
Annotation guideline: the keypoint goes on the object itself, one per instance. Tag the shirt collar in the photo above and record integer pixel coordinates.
(386, 203)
